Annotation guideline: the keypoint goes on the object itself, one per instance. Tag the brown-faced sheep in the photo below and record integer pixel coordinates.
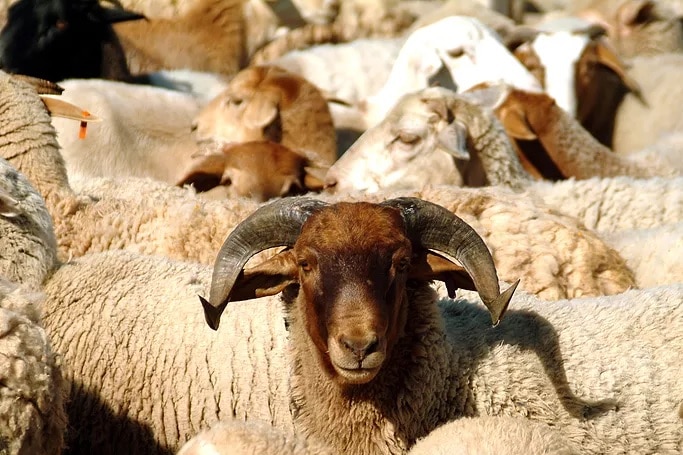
(269, 103)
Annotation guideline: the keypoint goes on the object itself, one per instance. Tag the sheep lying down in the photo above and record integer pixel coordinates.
(147, 374)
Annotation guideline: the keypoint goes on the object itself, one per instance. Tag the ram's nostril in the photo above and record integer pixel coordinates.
(361, 347)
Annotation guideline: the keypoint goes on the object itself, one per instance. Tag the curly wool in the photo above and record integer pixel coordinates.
(32, 390)
(617, 203)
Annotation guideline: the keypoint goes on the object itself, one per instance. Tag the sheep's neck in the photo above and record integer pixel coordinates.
(390, 413)
(576, 152)
(496, 152)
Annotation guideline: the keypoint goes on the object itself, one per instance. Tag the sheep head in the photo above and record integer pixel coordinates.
(269, 103)
(470, 51)
(258, 170)
(60, 39)
(588, 79)
(351, 263)
(416, 143)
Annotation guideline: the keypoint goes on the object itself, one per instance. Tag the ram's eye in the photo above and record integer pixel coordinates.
(403, 265)
(457, 52)
(305, 265)
(409, 138)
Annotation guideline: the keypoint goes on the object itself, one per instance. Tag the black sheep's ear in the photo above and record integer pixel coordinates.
(114, 15)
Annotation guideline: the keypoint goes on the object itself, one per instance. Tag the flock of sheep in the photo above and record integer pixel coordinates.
(414, 226)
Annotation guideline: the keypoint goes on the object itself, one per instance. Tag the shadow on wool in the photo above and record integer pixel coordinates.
(469, 327)
(91, 420)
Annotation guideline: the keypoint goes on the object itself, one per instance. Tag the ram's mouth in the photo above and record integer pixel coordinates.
(351, 370)
(356, 375)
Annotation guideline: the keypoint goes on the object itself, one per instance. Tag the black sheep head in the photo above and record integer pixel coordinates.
(60, 39)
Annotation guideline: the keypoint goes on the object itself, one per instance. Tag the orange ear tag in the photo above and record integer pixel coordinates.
(84, 125)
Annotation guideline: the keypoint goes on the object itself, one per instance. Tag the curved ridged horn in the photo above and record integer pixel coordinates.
(275, 224)
(436, 228)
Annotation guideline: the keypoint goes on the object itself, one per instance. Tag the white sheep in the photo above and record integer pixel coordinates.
(493, 436)
(145, 132)
(151, 218)
(430, 137)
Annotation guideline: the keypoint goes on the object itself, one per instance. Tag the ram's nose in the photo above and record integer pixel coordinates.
(360, 346)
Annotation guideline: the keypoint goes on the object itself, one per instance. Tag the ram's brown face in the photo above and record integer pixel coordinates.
(353, 289)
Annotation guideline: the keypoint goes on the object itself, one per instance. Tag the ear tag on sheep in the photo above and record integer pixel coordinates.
(61, 108)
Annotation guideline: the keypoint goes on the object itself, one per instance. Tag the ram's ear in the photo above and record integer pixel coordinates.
(267, 278)
(259, 112)
(8, 205)
(429, 266)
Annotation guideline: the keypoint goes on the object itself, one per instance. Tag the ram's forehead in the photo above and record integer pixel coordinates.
(347, 226)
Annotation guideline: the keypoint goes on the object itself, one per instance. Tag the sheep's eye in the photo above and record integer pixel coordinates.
(409, 138)
(226, 181)
(305, 265)
(455, 53)
(237, 101)
(61, 25)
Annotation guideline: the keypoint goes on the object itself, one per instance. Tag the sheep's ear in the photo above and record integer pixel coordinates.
(607, 56)
(8, 205)
(115, 15)
(429, 266)
(259, 112)
(513, 118)
(61, 108)
(267, 278)
(453, 140)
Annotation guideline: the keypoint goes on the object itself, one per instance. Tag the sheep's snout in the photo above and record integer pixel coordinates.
(357, 358)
